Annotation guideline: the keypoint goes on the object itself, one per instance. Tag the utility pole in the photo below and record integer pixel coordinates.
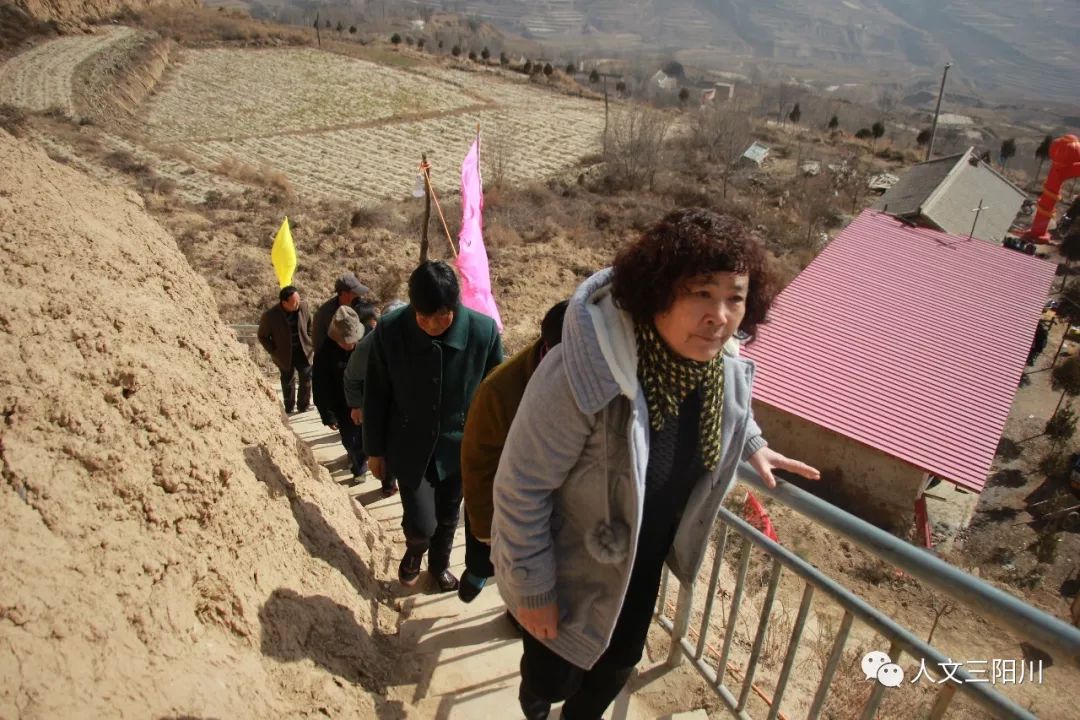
(605, 76)
(937, 109)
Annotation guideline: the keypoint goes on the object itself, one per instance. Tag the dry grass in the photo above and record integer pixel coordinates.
(12, 120)
(262, 176)
(203, 26)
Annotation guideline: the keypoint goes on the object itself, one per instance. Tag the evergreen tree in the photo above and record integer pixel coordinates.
(877, 130)
(1042, 153)
(1008, 149)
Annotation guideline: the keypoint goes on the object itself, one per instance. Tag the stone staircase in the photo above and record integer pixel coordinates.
(460, 661)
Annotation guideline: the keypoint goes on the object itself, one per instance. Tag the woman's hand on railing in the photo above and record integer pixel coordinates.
(542, 622)
(765, 460)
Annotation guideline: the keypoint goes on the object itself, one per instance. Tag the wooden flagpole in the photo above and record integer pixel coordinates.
(438, 208)
(427, 208)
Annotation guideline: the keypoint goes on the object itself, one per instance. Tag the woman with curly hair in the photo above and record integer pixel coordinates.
(626, 442)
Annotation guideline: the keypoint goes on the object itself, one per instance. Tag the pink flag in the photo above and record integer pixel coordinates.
(472, 260)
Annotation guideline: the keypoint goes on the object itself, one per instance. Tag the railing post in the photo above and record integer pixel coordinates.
(681, 624)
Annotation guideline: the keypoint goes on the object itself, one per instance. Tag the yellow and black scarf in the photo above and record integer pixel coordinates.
(667, 379)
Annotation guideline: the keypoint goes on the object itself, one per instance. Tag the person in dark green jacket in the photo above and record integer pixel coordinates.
(426, 361)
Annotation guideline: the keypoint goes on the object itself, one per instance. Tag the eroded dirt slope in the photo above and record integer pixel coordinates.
(168, 546)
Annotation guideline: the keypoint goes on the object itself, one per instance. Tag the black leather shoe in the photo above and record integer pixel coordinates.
(409, 569)
(447, 581)
(467, 589)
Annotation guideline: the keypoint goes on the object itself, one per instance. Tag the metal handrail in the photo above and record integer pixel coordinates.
(1028, 622)
(1045, 630)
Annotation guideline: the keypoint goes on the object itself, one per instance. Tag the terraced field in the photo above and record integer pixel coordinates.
(337, 127)
(215, 94)
(41, 78)
(546, 133)
(363, 142)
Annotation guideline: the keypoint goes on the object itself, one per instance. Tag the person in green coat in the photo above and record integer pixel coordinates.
(425, 364)
(355, 372)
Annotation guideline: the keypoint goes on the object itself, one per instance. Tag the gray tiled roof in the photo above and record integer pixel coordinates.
(944, 193)
(916, 185)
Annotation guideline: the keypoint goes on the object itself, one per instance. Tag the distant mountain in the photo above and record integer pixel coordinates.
(1015, 49)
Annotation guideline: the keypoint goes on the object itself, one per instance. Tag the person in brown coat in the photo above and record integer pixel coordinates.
(486, 428)
(285, 333)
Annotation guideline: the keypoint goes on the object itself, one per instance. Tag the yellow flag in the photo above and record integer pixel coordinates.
(283, 255)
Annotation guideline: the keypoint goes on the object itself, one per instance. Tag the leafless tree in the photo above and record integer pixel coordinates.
(496, 151)
(940, 607)
(722, 132)
(813, 199)
(635, 146)
(850, 180)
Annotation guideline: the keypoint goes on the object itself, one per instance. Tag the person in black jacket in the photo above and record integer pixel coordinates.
(348, 292)
(426, 362)
(328, 382)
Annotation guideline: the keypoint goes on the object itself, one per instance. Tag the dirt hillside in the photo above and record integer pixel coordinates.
(168, 546)
(74, 12)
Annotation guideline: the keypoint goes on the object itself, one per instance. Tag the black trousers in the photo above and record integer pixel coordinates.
(547, 678)
(352, 439)
(301, 367)
(430, 514)
(477, 554)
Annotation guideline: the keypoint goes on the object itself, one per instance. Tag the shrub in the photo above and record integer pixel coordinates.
(395, 39)
(1062, 425)
(1066, 376)
(13, 120)
(125, 162)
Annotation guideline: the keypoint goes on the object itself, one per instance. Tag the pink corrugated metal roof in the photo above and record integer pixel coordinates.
(909, 340)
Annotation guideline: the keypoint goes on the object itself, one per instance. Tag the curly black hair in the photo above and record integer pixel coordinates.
(685, 244)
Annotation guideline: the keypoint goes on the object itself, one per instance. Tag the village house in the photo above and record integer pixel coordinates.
(945, 194)
(893, 359)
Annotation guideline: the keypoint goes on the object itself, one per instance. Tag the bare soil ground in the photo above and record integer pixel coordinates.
(164, 553)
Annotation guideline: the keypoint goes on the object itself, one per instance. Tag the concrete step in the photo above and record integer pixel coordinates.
(459, 660)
